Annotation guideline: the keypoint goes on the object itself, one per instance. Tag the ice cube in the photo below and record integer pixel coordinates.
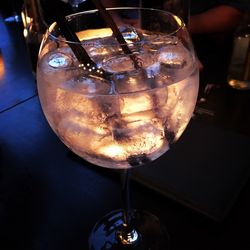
(176, 62)
(86, 84)
(154, 42)
(59, 60)
(173, 57)
(135, 103)
(80, 133)
(131, 82)
(127, 78)
(130, 34)
(56, 66)
(118, 64)
(100, 48)
(95, 41)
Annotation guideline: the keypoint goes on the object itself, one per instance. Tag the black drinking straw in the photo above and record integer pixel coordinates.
(118, 35)
(82, 56)
(73, 40)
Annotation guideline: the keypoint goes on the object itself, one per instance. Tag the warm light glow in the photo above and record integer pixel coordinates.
(178, 20)
(94, 33)
(103, 51)
(238, 84)
(23, 19)
(133, 81)
(113, 151)
(2, 67)
(141, 132)
(26, 20)
(25, 32)
(141, 143)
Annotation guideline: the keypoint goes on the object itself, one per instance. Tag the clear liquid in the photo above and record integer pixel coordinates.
(126, 123)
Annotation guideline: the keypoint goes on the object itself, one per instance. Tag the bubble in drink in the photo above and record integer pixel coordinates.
(131, 118)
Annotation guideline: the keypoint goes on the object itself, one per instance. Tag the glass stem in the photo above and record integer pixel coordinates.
(128, 234)
(126, 197)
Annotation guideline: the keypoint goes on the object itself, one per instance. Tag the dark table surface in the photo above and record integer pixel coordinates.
(50, 198)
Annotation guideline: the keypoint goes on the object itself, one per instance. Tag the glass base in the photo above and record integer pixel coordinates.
(151, 234)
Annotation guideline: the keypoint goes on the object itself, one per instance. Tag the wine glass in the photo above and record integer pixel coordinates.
(123, 108)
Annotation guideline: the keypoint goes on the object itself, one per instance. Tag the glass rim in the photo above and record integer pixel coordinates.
(177, 19)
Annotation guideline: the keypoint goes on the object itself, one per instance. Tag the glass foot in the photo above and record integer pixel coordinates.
(150, 232)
